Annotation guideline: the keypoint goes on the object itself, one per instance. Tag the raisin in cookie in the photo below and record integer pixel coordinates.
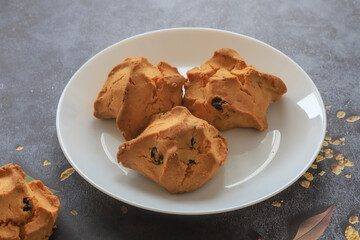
(177, 150)
(135, 90)
(27, 210)
(227, 93)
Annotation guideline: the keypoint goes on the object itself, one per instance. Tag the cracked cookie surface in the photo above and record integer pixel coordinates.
(28, 211)
(227, 93)
(135, 90)
(177, 150)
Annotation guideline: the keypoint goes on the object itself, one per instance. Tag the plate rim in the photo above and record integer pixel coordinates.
(174, 212)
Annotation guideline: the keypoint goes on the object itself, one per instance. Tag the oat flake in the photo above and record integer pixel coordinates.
(276, 204)
(319, 158)
(46, 162)
(305, 183)
(336, 142)
(337, 168)
(74, 212)
(19, 148)
(321, 173)
(328, 150)
(353, 219)
(351, 233)
(353, 118)
(308, 176)
(340, 114)
(65, 174)
(339, 157)
(348, 163)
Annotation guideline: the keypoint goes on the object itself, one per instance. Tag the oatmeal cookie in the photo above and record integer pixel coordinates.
(227, 93)
(135, 90)
(177, 150)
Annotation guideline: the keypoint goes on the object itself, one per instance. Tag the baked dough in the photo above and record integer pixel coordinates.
(135, 90)
(227, 93)
(177, 150)
(27, 210)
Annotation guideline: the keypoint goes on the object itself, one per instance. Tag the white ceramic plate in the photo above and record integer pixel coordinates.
(259, 164)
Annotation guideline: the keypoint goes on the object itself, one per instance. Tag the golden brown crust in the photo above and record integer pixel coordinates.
(28, 210)
(227, 93)
(135, 90)
(176, 150)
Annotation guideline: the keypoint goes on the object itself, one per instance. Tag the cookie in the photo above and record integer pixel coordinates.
(177, 150)
(27, 210)
(227, 93)
(135, 90)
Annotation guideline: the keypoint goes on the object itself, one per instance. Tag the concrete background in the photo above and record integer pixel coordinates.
(43, 43)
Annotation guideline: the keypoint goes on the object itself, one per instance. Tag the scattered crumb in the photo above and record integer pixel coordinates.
(337, 168)
(327, 138)
(65, 174)
(328, 106)
(305, 183)
(353, 219)
(74, 212)
(348, 163)
(325, 144)
(313, 166)
(348, 176)
(321, 173)
(351, 233)
(336, 142)
(353, 118)
(340, 114)
(319, 158)
(308, 176)
(124, 210)
(343, 143)
(342, 139)
(276, 204)
(328, 150)
(46, 162)
(19, 148)
(328, 155)
(339, 157)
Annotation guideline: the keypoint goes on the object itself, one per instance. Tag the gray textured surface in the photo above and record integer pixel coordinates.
(43, 43)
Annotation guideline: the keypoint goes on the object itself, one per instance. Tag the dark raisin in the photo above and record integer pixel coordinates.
(191, 162)
(27, 205)
(55, 227)
(192, 142)
(156, 157)
(217, 103)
